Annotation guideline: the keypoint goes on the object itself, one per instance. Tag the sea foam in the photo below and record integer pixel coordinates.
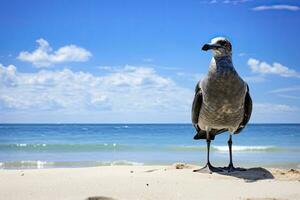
(225, 148)
(245, 148)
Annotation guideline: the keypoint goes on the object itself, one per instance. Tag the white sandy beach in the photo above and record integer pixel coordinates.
(147, 182)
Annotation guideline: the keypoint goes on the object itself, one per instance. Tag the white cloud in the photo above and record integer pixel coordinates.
(171, 68)
(277, 7)
(149, 60)
(273, 108)
(108, 67)
(287, 89)
(288, 92)
(7, 75)
(254, 79)
(261, 67)
(265, 112)
(289, 96)
(127, 89)
(195, 77)
(234, 2)
(122, 94)
(44, 56)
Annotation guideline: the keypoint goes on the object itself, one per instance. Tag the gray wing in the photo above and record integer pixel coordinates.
(247, 111)
(197, 103)
(196, 107)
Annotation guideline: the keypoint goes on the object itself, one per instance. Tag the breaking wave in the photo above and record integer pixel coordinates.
(29, 164)
(235, 148)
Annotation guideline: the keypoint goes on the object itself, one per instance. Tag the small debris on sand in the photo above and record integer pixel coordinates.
(152, 170)
(294, 171)
(181, 166)
(291, 174)
(100, 198)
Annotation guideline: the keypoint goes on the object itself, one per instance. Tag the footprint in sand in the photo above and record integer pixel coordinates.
(100, 198)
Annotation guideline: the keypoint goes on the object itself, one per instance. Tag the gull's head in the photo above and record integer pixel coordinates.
(220, 46)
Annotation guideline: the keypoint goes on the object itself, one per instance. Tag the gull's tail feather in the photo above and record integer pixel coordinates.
(201, 135)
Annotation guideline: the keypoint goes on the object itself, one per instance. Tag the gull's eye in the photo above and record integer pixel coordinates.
(222, 42)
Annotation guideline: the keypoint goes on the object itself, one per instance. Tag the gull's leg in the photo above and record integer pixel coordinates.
(208, 167)
(230, 167)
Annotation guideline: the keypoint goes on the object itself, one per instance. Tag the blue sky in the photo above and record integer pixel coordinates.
(138, 61)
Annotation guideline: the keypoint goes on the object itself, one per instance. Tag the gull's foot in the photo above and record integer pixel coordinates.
(208, 168)
(231, 168)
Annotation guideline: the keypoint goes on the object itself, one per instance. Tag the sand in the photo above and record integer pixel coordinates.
(148, 182)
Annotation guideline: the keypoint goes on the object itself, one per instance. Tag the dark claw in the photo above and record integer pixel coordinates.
(231, 168)
(208, 168)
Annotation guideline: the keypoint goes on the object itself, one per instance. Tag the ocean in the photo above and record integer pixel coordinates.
(86, 145)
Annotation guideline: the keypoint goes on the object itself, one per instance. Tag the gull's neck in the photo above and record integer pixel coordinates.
(221, 64)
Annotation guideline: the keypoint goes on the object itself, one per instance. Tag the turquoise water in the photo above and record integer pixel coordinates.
(77, 145)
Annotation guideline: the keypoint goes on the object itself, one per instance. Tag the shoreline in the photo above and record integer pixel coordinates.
(40, 164)
(177, 181)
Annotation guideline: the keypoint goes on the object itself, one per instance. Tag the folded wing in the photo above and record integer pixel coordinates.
(247, 111)
(196, 107)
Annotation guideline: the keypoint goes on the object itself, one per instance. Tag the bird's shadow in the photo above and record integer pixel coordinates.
(250, 174)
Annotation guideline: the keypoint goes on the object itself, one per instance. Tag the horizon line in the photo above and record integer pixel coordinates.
(131, 123)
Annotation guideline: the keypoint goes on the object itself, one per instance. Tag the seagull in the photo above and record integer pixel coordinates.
(222, 101)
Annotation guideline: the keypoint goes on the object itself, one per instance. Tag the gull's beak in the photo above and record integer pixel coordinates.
(210, 46)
